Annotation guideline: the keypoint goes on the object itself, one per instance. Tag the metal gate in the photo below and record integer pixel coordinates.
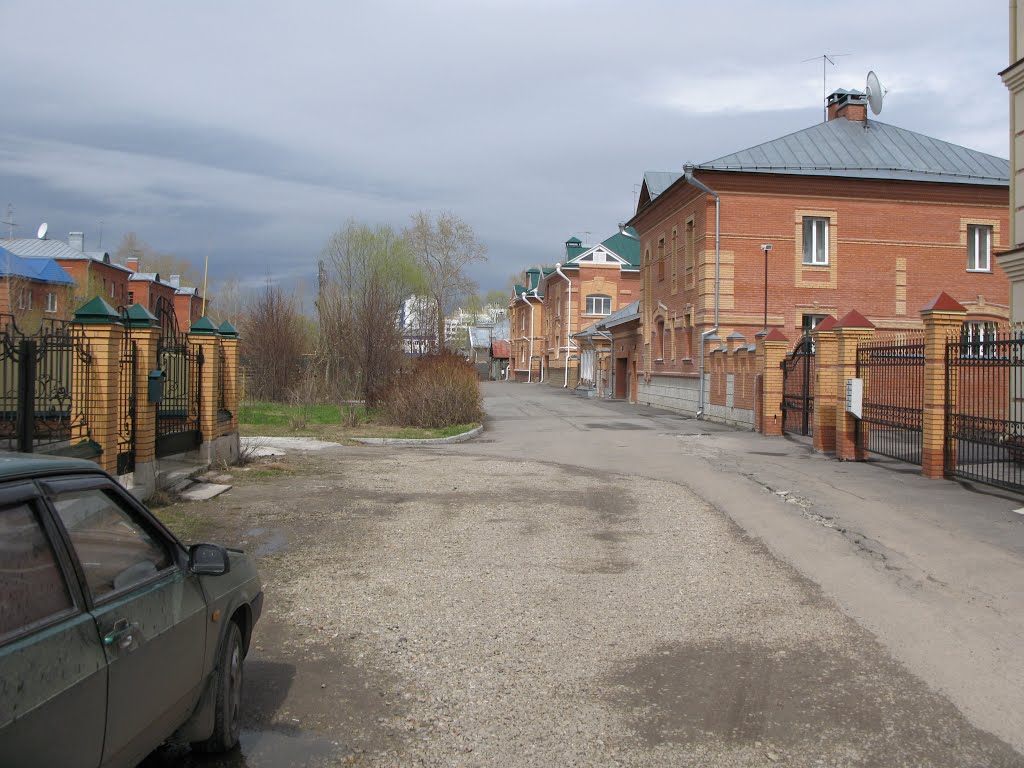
(893, 405)
(985, 406)
(177, 414)
(798, 388)
(127, 388)
(45, 381)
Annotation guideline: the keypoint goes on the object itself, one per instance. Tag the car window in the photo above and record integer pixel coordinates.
(32, 586)
(115, 551)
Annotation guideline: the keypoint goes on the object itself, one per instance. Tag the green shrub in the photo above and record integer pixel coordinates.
(440, 391)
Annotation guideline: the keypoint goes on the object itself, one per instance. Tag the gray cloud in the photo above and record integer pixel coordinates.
(249, 131)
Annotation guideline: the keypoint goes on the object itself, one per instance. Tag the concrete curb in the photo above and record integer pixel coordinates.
(424, 441)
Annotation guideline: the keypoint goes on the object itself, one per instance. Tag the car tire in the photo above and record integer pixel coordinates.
(228, 721)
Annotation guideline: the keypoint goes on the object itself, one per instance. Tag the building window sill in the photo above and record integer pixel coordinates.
(806, 265)
(981, 271)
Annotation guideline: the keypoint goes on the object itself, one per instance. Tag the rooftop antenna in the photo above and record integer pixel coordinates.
(9, 220)
(826, 58)
(636, 191)
(43, 229)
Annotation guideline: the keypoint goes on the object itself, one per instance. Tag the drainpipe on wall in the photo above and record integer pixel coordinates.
(529, 372)
(688, 174)
(568, 325)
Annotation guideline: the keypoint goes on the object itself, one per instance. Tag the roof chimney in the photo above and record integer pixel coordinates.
(853, 105)
(77, 241)
(175, 281)
(132, 263)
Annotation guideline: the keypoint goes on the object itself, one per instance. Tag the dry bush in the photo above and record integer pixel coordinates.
(440, 391)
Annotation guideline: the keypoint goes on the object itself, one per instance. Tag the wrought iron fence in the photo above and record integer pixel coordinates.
(45, 383)
(893, 403)
(985, 405)
(798, 388)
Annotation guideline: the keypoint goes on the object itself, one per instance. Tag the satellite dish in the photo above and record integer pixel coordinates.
(41, 234)
(875, 93)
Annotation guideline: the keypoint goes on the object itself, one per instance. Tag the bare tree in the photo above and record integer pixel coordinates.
(274, 342)
(443, 247)
(152, 260)
(367, 274)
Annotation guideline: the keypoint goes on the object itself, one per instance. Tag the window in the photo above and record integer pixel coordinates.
(658, 342)
(113, 287)
(51, 302)
(809, 322)
(599, 304)
(661, 258)
(32, 587)
(116, 552)
(978, 339)
(24, 297)
(815, 240)
(979, 248)
(131, 297)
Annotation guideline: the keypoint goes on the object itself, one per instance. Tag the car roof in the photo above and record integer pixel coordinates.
(15, 465)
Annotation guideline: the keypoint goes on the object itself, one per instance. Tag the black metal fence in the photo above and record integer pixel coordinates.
(985, 405)
(45, 381)
(798, 388)
(892, 371)
(177, 414)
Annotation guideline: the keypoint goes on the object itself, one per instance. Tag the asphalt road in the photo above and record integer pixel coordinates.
(593, 583)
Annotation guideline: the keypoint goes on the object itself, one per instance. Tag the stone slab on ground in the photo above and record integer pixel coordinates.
(204, 491)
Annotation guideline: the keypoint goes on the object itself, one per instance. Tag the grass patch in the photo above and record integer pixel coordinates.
(186, 522)
(334, 423)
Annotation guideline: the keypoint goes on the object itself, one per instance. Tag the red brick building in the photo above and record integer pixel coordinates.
(859, 215)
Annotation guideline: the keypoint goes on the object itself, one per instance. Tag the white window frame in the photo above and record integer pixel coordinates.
(592, 304)
(51, 301)
(975, 245)
(815, 248)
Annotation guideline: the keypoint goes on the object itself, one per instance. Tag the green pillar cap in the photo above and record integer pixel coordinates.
(227, 329)
(140, 317)
(97, 312)
(204, 326)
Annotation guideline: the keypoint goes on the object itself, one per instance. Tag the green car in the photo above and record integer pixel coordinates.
(114, 636)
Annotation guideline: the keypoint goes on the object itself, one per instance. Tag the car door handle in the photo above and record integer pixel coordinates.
(122, 635)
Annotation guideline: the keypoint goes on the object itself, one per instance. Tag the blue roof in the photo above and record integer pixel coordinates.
(37, 269)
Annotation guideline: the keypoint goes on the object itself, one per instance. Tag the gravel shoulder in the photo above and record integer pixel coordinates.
(443, 608)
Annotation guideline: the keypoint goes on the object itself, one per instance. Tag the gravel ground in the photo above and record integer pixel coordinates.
(425, 608)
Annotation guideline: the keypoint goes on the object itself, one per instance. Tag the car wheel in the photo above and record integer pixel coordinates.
(228, 705)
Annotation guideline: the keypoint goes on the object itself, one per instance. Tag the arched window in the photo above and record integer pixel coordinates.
(599, 304)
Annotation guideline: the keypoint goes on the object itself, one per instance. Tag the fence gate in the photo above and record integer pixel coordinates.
(45, 381)
(127, 387)
(985, 406)
(893, 405)
(798, 388)
(177, 415)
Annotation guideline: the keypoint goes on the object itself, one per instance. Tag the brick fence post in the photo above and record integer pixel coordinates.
(231, 342)
(144, 329)
(942, 317)
(851, 331)
(101, 331)
(771, 351)
(826, 392)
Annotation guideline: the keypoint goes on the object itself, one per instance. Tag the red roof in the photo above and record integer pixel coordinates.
(501, 348)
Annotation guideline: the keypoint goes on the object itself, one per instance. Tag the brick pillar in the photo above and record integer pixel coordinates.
(145, 332)
(101, 331)
(203, 336)
(851, 331)
(231, 342)
(771, 351)
(826, 385)
(942, 317)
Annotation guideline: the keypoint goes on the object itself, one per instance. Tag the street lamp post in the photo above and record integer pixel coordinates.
(766, 249)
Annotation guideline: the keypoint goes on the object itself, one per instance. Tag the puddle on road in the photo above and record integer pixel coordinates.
(258, 749)
(268, 541)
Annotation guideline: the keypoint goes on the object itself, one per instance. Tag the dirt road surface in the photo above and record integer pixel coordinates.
(472, 606)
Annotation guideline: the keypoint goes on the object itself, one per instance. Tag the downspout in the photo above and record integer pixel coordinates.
(688, 174)
(529, 372)
(568, 325)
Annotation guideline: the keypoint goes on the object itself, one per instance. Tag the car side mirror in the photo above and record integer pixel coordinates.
(208, 560)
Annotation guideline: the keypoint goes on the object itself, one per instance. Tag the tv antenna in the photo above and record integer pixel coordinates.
(9, 220)
(875, 93)
(826, 58)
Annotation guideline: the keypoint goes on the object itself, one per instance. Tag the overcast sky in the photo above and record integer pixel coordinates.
(250, 131)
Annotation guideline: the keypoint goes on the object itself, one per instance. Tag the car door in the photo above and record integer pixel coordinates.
(150, 612)
(53, 671)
